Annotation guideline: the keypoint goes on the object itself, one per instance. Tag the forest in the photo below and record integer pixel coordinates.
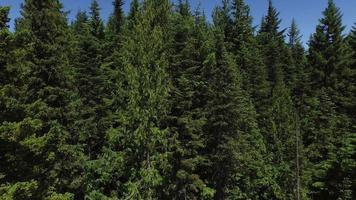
(161, 102)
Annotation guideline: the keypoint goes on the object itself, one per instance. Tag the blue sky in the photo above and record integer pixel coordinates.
(306, 12)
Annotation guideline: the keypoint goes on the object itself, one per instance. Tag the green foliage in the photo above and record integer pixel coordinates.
(4, 12)
(96, 23)
(161, 104)
(331, 81)
(186, 120)
(20, 190)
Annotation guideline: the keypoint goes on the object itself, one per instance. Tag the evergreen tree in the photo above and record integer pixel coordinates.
(278, 122)
(351, 105)
(139, 144)
(163, 105)
(116, 20)
(114, 31)
(96, 23)
(4, 17)
(134, 10)
(80, 24)
(232, 130)
(272, 41)
(244, 47)
(297, 73)
(4, 36)
(90, 84)
(40, 134)
(186, 119)
(331, 76)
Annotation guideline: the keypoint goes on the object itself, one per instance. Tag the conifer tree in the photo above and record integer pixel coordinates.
(297, 73)
(132, 16)
(186, 119)
(4, 36)
(244, 47)
(231, 126)
(41, 134)
(352, 106)
(96, 23)
(272, 41)
(80, 24)
(278, 122)
(139, 144)
(116, 20)
(90, 84)
(114, 31)
(331, 76)
(4, 17)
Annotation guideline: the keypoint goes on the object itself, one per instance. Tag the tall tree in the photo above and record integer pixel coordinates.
(116, 20)
(96, 23)
(352, 106)
(41, 134)
(297, 73)
(139, 144)
(90, 84)
(278, 121)
(272, 41)
(243, 47)
(114, 31)
(186, 119)
(134, 10)
(332, 80)
(4, 36)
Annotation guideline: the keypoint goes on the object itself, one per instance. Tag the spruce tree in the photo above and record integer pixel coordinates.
(41, 137)
(332, 86)
(96, 23)
(235, 147)
(4, 17)
(116, 20)
(134, 10)
(139, 146)
(272, 41)
(278, 121)
(186, 119)
(114, 31)
(90, 84)
(352, 71)
(297, 73)
(80, 24)
(4, 36)
(245, 48)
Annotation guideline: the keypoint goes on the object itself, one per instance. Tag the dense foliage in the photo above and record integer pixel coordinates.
(162, 104)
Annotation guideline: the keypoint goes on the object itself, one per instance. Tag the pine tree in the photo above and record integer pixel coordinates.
(297, 73)
(272, 41)
(278, 122)
(43, 144)
(134, 10)
(295, 69)
(90, 84)
(240, 41)
(139, 144)
(4, 36)
(244, 46)
(80, 24)
(4, 17)
(351, 105)
(114, 31)
(96, 23)
(331, 76)
(116, 20)
(232, 128)
(186, 120)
